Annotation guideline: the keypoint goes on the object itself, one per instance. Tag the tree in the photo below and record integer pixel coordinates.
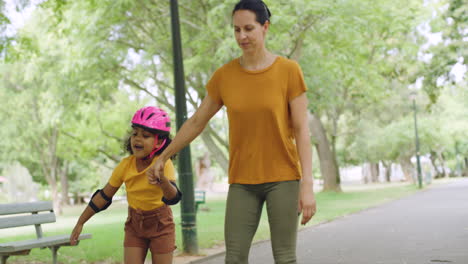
(45, 94)
(452, 22)
(103, 49)
(346, 64)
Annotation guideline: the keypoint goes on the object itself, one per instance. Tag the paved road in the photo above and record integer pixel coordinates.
(430, 227)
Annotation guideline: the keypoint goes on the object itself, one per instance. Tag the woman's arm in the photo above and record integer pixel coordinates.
(307, 203)
(188, 132)
(88, 212)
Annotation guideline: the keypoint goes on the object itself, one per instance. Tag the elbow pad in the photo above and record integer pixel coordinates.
(104, 196)
(174, 200)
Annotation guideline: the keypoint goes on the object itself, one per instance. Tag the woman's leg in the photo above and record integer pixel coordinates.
(243, 211)
(162, 258)
(282, 202)
(135, 255)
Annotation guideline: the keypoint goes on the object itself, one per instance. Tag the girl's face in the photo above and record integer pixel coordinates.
(250, 35)
(142, 142)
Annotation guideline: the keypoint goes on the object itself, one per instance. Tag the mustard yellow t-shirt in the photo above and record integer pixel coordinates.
(261, 137)
(140, 194)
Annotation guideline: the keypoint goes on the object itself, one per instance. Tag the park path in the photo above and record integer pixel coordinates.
(429, 227)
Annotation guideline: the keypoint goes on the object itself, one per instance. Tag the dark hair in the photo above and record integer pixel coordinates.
(257, 6)
(163, 135)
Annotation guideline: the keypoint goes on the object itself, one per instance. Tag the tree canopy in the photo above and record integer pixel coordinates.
(73, 75)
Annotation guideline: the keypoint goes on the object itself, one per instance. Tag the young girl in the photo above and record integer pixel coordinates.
(149, 224)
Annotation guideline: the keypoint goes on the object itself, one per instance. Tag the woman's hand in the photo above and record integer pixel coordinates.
(307, 203)
(189, 130)
(75, 234)
(155, 174)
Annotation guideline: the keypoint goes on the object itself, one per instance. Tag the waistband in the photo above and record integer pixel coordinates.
(156, 211)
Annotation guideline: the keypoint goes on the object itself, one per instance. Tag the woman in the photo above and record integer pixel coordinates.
(270, 151)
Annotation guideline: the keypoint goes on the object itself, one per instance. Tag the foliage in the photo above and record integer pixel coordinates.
(452, 23)
(440, 129)
(77, 70)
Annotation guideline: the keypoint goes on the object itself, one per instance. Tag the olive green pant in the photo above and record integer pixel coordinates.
(243, 211)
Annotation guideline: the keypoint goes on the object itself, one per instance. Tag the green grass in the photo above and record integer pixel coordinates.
(107, 227)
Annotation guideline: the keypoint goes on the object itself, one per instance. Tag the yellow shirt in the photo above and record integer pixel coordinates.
(140, 194)
(261, 137)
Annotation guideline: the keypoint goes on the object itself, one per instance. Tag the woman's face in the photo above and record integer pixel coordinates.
(250, 35)
(142, 142)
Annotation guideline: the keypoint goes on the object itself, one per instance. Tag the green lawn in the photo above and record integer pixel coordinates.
(107, 227)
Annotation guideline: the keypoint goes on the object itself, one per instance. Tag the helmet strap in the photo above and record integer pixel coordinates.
(156, 149)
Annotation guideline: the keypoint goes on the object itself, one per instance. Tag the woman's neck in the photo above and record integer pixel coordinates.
(256, 60)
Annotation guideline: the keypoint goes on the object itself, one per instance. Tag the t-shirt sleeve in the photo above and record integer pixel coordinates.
(117, 177)
(296, 83)
(213, 87)
(169, 171)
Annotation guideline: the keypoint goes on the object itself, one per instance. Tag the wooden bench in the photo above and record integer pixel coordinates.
(200, 197)
(25, 214)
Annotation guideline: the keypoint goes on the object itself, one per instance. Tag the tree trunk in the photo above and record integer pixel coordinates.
(204, 173)
(466, 167)
(215, 151)
(433, 158)
(328, 164)
(408, 168)
(366, 174)
(55, 199)
(370, 172)
(374, 170)
(442, 164)
(388, 171)
(54, 170)
(64, 184)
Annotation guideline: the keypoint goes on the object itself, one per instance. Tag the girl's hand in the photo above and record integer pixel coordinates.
(75, 234)
(307, 203)
(156, 173)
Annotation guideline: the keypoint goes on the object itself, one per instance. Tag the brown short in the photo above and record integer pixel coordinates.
(153, 229)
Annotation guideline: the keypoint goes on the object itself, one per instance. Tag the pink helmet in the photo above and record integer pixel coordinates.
(156, 121)
(152, 118)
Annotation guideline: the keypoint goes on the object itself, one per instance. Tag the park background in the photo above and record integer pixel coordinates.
(73, 73)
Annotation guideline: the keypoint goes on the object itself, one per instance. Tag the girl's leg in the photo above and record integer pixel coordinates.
(282, 202)
(162, 258)
(243, 211)
(134, 255)
(162, 236)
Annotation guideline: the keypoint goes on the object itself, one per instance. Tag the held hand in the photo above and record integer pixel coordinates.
(163, 180)
(75, 234)
(307, 203)
(156, 173)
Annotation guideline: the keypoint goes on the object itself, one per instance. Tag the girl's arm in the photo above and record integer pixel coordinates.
(88, 212)
(307, 204)
(168, 188)
(188, 132)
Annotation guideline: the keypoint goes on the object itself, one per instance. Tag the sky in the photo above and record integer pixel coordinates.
(18, 19)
